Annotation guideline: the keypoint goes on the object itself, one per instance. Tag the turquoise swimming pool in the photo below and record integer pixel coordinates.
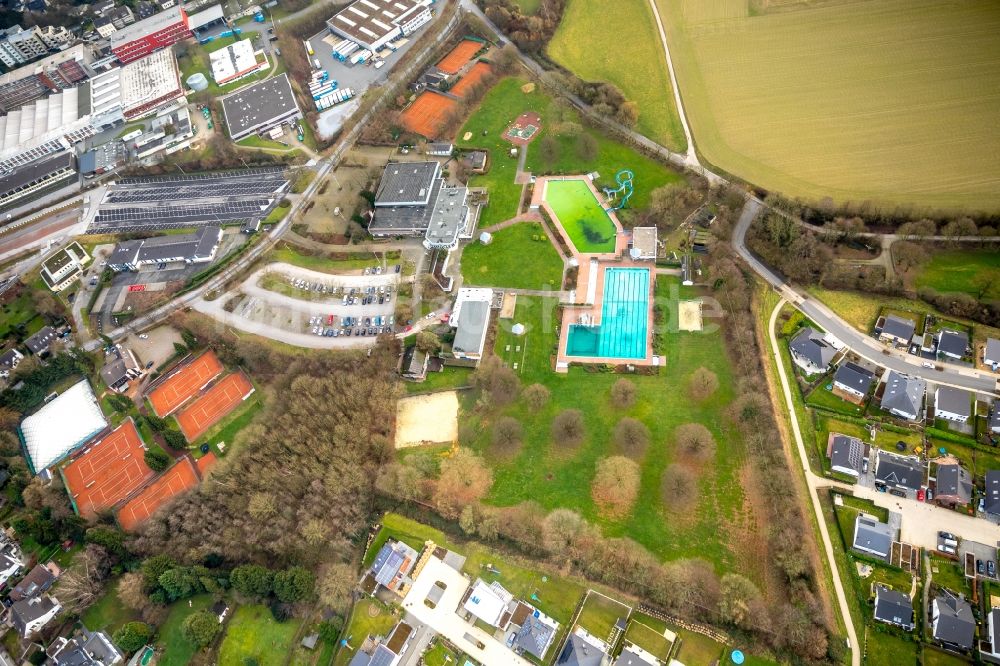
(624, 319)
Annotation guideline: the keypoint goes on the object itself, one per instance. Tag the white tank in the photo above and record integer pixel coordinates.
(197, 81)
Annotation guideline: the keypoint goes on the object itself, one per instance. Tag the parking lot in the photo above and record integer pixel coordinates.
(979, 558)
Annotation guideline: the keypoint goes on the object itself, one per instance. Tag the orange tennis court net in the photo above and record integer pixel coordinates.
(184, 383)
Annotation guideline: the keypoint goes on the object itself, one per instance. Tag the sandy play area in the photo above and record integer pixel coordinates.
(689, 315)
(427, 419)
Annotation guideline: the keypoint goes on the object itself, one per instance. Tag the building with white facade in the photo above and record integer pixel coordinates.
(471, 319)
(373, 23)
(19, 46)
(236, 61)
(63, 267)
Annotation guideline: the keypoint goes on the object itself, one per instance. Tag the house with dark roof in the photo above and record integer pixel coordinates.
(846, 454)
(536, 631)
(9, 361)
(28, 616)
(994, 423)
(811, 351)
(904, 472)
(582, 649)
(381, 651)
(391, 568)
(440, 149)
(38, 580)
(10, 563)
(992, 497)
(872, 537)
(853, 381)
(991, 353)
(952, 622)
(120, 367)
(633, 655)
(953, 344)
(952, 404)
(88, 649)
(897, 330)
(904, 396)
(954, 485)
(40, 342)
(413, 364)
(893, 608)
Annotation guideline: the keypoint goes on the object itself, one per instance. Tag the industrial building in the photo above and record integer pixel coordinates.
(412, 201)
(235, 62)
(26, 180)
(19, 46)
(49, 75)
(136, 89)
(67, 422)
(260, 107)
(374, 23)
(144, 37)
(195, 248)
(102, 159)
(158, 139)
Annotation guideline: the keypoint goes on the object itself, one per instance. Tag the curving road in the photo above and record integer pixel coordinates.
(859, 342)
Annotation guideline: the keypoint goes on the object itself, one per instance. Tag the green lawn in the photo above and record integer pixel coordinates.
(948, 574)
(975, 272)
(698, 649)
(323, 263)
(885, 649)
(821, 396)
(501, 105)
(528, 6)
(196, 59)
(177, 651)
(20, 312)
(545, 474)
(601, 613)
(520, 257)
(108, 613)
(364, 623)
(446, 379)
(934, 657)
(636, 65)
(439, 655)
(253, 633)
(255, 141)
(581, 215)
(226, 431)
(648, 639)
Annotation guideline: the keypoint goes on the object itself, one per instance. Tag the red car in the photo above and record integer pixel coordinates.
(920, 495)
(329, 320)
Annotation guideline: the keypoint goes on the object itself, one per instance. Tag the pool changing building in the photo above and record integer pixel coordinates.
(471, 319)
(374, 23)
(412, 200)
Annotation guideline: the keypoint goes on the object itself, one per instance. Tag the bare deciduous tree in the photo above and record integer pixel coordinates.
(678, 488)
(695, 441)
(464, 479)
(616, 485)
(631, 437)
(536, 396)
(567, 427)
(623, 394)
(703, 384)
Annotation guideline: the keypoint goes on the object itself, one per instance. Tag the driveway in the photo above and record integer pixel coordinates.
(445, 621)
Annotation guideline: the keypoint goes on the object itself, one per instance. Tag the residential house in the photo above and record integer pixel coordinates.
(488, 602)
(904, 472)
(391, 568)
(28, 616)
(120, 367)
(582, 649)
(872, 537)
(993, 635)
(633, 655)
(384, 651)
(10, 563)
(846, 454)
(893, 608)
(954, 485)
(991, 353)
(475, 160)
(992, 497)
(88, 649)
(953, 344)
(37, 581)
(853, 382)
(9, 361)
(952, 404)
(810, 351)
(904, 396)
(536, 631)
(896, 330)
(63, 267)
(952, 622)
(40, 342)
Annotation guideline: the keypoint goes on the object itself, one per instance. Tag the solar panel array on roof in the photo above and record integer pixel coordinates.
(389, 569)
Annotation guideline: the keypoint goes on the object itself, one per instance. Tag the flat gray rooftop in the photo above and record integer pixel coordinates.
(406, 184)
(259, 104)
(448, 217)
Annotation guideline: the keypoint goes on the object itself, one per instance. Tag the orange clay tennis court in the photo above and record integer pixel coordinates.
(428, 113)
(216, 402)
(107, 472)
(458, 56)
(179, 478)
(184, 383)
(475, 74)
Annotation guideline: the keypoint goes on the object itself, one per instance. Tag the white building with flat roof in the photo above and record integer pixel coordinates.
(69, 421)
(235, 61)
(471, 319)
(374, 23)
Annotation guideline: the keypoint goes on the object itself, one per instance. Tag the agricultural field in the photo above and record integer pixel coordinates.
(524, 245)
(636, 65)
(856, 101)
(720, 525)
(504, 102)
(975, 272)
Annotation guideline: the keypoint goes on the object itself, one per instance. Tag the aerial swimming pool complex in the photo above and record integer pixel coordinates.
(624, 326)
(580, 214)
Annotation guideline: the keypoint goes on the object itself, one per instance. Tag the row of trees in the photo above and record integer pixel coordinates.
(531, 32)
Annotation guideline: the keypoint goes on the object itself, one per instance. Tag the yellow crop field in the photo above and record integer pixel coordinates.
(895, 102)
(619, 43)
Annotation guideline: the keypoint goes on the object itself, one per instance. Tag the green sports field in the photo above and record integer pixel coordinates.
(893, 102)
(620, 43)
(580, 214)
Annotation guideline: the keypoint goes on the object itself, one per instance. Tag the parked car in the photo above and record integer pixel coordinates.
(979, 567)
(930, 494)
(991, 569)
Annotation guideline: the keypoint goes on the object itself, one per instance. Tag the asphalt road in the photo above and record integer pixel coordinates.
(859, 342)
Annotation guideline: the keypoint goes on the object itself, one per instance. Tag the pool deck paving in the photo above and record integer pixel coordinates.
(586, 301)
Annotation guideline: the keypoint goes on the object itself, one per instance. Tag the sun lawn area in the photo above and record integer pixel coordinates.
(369, 616)
(968, 271)
(501, 105)
(253, 633)
(649, 639)
(600, 614)
(581, 215)
(524, 246)
(554, 478)
(108, 613)
(297, 256)
(439, 655)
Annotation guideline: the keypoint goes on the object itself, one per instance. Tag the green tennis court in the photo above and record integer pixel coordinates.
(581, 215)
